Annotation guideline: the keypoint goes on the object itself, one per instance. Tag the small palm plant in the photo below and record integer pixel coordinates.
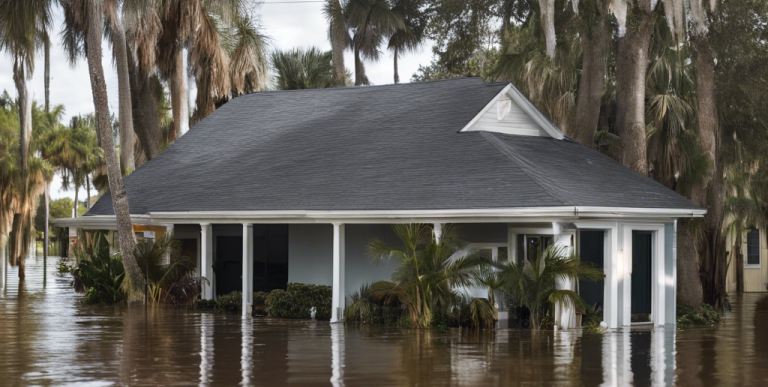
(533, 283)
(173, 282)
(428, 271)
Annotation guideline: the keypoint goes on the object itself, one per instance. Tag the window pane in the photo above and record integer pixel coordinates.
(485, 253)
(753, 247)
(503, 254)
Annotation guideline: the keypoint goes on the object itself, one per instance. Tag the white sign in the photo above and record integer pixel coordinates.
(149, 234)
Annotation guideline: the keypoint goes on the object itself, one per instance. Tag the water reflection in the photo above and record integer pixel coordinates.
(47, 337)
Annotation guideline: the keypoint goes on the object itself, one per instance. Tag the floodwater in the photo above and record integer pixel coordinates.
(48, 337)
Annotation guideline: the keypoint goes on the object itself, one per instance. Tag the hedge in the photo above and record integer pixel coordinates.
(297, 302)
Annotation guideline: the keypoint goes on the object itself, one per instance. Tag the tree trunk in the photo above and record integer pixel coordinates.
(594, 41)
(359, 70)
(338, 32)
(25, 117)
(179, 104)
(47, 73)
(397, 76)
(631, 67)
(45, 230)
(87, 192)
(739, 262)
(689, 291)
(127, 164)
(77, 191)
(710, 191)
(145, 116)
(117, 189)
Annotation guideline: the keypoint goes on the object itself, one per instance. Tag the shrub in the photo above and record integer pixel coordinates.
(377, 304)
(205, 304)
(298, 300)
(232, 302)
(97, 273)
(688, 317)
(259, 301)
(442, 320)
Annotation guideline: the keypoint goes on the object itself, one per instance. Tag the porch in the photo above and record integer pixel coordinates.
(637, 256)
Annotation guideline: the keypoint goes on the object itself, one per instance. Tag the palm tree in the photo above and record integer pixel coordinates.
(120, 53)
(428, 271)
(533, 283)
(303, 69)
(20, 23)
(94, 28)
(410, 36)
(370, 21)
(339, 37)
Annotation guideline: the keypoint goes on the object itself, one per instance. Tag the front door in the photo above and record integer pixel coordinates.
(591, 249)
(642, 254)
(229, 264)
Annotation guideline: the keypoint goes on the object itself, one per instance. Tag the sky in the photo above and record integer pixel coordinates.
(287, 23)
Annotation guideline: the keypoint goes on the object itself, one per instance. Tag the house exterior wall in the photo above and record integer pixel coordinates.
(755, 276)
(310, 253)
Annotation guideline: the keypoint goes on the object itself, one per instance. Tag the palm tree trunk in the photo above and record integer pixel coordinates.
(631, 67)
(338, 32)
(359, 69)
(594, 40)
(117, 189)
(179, 103)
(77, 191)
(47, 73)
(145, 117)
(87, 192)
(25, 116)
(397, 76)
(47, 216)
(127, 135)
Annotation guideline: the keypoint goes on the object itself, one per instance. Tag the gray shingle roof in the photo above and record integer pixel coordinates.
(394, 147)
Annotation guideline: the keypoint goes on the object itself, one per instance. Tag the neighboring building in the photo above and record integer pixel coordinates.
(755, 254)
(304, 179)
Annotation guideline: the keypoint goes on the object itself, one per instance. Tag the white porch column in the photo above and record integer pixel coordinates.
(339, 292)
(247, 268)
(438, 230)
(564, 316)
(206, 259)
(611, 284)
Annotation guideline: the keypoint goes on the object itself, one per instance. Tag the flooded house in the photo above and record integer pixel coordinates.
(291, 186)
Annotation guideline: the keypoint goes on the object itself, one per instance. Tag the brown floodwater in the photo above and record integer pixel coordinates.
(48, 337)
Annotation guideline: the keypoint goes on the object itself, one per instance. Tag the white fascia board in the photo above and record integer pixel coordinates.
(530, 214)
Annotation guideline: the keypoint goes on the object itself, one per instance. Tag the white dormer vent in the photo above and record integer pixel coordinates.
(503, 107)
(511, 113)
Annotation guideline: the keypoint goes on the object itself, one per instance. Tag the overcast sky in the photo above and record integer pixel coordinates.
(288, 23)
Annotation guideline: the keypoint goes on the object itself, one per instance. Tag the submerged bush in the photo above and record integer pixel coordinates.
(377, 304)
(232, 302)
(259, 303)
(97, 273)
(298, 300)
(206, 304)
(704, 316)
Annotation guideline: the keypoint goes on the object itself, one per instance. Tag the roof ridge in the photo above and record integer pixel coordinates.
(359, 87)
(525, 167)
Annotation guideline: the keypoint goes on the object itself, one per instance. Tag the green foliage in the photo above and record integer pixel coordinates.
(427, 271)
(592, 319)
(206, 304)
(377, 304)
(302, 69)
(298, 300)
(687, 317)
(174, 282)
(96, 272)
(231, 303)
(533, 283)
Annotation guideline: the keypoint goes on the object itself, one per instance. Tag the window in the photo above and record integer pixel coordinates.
(496, 252)
(753, 247)
(530, 246)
